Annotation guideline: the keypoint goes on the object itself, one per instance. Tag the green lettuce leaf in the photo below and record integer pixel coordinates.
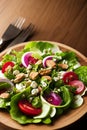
(82, 73)
(69, 57)
(40, 46)
(4, 103)
(66, 96)
(15, 112)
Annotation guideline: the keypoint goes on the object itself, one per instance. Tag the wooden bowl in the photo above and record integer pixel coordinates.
(62, 121)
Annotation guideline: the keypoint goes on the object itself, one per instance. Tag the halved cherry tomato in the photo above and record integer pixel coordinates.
(28, 109)
(79, 86)
(5, 66)
(69, 76)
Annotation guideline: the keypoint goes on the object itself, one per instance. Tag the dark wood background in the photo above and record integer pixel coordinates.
(56, 20)
(63, 21)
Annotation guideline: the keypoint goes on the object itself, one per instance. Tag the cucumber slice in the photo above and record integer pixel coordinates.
(47, 121)
(36, 121)
(45, 111)
(53, 112)
(78, 101)
(53, 109)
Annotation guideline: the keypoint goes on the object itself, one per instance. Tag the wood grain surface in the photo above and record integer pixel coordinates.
(63, 21)
(56, 20)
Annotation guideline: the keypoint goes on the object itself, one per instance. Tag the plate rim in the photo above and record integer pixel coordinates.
(60, 45)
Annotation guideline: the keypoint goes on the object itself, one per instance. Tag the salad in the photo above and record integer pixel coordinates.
(41, 82)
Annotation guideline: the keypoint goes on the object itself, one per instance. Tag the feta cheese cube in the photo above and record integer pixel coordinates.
(34, 84)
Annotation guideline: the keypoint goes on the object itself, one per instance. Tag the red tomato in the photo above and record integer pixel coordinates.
(69, 76)
(5, 66)
(28, 109)
(79, 86)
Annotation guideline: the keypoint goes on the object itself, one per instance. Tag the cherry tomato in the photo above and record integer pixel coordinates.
(79, 86)
(69, 76)
(28, 109)
(5, 66)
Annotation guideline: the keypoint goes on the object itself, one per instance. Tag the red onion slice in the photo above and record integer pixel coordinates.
(45, 59)
(7, 81)
(53, 98)
(25, 59)
(28, 59)
(80, 87)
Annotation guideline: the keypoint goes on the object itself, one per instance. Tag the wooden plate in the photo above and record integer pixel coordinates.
(63, 120)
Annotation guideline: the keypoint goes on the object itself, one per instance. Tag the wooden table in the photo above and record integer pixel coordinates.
(63, 21)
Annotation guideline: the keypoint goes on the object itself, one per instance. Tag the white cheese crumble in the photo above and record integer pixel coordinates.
(15, 72)
(43, 84)
(20, 87)
(29, 67)
(59, 76)
(56, 78)
(64, 61)
(34, 91)
(34, 84)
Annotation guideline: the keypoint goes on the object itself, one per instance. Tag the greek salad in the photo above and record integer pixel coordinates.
(41, 82)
